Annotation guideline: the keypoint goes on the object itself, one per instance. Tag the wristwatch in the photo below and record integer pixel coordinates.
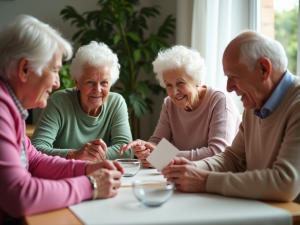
(94, 186)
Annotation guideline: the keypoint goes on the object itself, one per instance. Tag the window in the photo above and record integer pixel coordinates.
(279, 20)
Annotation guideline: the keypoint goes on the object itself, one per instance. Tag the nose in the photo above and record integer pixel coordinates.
(175, 90)
(56, 84)
(230, 85)
(98, 87)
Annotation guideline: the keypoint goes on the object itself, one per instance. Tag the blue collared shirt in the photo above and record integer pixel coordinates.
(277, 96)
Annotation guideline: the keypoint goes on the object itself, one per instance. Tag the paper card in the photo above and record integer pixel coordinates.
(162, 155)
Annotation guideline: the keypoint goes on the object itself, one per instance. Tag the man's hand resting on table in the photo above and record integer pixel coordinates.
(185, 175)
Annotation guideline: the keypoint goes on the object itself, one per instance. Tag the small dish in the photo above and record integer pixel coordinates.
(152, 193)
(131, 166)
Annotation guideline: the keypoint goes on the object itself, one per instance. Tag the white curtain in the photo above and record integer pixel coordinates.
(211, 33)
(298, 52)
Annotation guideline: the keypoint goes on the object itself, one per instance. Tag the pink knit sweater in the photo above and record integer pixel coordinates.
(200, 133)
(48, 183)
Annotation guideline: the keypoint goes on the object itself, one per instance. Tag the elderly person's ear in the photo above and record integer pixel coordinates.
(23, 70)
(265, 67)
(76, 84)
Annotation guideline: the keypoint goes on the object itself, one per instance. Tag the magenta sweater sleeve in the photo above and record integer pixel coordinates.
(39, 162)
(48, 183)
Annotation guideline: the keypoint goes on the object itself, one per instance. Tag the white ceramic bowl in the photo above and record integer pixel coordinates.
(131, 166)
(152, 193)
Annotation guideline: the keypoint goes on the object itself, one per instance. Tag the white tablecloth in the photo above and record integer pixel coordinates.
(182, 208)
(143, 174)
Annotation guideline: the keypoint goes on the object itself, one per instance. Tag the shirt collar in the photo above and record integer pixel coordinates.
(23, 112)
(277, 96)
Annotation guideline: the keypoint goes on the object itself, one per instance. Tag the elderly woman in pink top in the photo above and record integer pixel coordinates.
(31, 55)
(198, 119)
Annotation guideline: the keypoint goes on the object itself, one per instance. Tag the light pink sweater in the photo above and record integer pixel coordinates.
(200, 133)
(48, 183)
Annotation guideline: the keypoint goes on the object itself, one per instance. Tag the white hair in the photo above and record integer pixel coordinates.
(180, 57)
(254, 47)
(29, 38)
(96, 55)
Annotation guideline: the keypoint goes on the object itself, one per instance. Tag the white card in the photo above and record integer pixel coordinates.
(162, 155)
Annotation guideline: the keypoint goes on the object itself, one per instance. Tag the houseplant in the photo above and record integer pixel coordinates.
(65, 78)
(120, 25)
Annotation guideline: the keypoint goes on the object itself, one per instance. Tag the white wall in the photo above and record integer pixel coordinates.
(48, 12)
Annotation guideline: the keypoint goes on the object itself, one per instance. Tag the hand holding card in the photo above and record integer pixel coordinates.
(162, 155)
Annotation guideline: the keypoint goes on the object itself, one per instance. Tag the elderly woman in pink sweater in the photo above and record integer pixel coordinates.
(31, 55)
(198, 119)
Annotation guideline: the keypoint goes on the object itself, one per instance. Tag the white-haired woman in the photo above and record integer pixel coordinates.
(31, 54)
(198, 119)
(87, 122)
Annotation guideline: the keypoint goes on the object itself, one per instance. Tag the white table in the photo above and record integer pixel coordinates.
(182, 208)
(143, 174)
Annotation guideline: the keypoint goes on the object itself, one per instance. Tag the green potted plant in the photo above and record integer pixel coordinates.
(122, 26)
(66, 81)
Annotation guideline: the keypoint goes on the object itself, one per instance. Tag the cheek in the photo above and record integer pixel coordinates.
(169, 92)
(106, 91)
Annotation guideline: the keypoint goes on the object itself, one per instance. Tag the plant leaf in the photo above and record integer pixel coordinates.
(147, 67)
(167, 28)
(137, 55)
(147, 54)
(70, 13)
(133, 36)
(143, 89)
(117, 38)
(139, 105)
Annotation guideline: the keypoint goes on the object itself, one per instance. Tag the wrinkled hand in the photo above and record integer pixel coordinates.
(107, 164)
(185, 175)
(108, 181)
(93, 151)
(142, 150)
(181, 161)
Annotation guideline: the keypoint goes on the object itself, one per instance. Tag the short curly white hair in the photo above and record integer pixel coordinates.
(97, 55)
(180, 57)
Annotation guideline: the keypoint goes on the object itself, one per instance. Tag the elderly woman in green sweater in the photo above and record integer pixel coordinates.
(87, 122)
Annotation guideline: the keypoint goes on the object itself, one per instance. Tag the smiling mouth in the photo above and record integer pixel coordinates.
(180, 98)
(240, 94)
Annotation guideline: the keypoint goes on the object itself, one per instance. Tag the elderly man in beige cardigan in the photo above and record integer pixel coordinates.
(263, 161)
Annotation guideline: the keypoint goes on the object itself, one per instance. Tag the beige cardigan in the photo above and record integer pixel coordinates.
(264, 159)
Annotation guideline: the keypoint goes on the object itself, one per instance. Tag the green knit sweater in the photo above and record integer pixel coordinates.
(64, 126)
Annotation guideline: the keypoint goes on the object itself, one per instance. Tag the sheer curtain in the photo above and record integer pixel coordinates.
(298, 52)
(214, 23)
